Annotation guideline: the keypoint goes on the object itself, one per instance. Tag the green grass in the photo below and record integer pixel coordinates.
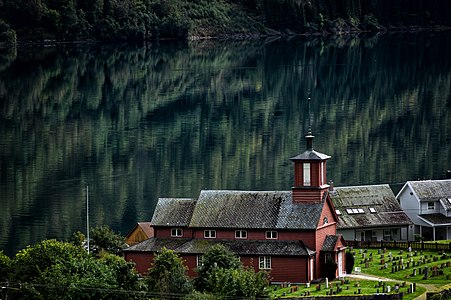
(402, 264)
(348, 287)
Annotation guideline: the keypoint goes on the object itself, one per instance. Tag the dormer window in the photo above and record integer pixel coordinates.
(210, 234)
(241, 234)
(176, 232)
(431, 205)
(306, 172)
(271, 235)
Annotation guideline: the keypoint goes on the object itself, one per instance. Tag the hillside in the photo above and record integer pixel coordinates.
(39, 20)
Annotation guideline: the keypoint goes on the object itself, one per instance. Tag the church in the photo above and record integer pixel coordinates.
(290, 234)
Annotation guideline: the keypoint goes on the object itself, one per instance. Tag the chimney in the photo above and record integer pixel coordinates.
(331, 186)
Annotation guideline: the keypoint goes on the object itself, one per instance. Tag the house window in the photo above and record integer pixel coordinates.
(264, 262)
(271, 235)
(200, 260)
(241, 234)
(431, 205)
(176, 232)
(210, 234)
(306, 174)
(325, 221)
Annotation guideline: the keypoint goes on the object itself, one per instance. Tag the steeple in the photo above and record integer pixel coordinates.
(310, 180)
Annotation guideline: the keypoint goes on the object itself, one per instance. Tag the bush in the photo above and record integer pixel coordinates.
(349, 262)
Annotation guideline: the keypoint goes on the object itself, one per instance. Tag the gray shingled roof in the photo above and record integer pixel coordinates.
(311, 155)
(173, 212)
(330, 242)
(431, 190)
(239, 247)
(253, 209)
(436, 219)
(446, 203)
(380, 197)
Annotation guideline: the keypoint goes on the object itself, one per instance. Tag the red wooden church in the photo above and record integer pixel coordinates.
(288, 233)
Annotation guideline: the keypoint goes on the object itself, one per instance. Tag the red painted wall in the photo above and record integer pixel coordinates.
(142, 260)
(165, 232)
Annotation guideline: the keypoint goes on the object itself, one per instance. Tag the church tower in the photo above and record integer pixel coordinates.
(309, 174)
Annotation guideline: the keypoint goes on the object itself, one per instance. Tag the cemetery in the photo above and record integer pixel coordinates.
(407, 269)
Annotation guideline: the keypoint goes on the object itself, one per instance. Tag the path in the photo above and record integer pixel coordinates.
(362, 276)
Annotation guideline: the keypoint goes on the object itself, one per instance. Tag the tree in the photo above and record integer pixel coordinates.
(61, 270)
(349, 262)
(167, 275)
(223, 275)
(217, 256)
(5, 267)
(104, 238)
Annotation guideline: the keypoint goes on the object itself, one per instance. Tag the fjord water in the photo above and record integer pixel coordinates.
(135, 123)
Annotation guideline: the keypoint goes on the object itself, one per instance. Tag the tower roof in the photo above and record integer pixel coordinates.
(310, 154)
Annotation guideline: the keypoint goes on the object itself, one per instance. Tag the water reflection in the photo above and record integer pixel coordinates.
(141, 122)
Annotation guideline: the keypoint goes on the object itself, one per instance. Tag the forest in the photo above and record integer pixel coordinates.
(75, 20)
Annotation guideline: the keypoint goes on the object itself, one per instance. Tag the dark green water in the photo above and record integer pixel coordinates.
(140, 122)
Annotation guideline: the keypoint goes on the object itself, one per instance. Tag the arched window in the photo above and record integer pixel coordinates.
(325, 221)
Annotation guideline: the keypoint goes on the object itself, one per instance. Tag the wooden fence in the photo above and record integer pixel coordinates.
(400, 245)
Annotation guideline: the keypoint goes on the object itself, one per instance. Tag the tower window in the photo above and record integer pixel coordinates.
(306, 173)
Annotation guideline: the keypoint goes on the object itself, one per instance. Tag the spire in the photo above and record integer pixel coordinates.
(309, 137)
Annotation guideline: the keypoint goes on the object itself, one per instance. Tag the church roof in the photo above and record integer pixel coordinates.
(254, 209)
(173, 212)
(239, 247)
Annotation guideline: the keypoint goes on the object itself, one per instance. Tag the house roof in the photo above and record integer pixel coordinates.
(146, 227)
(430, 190)
(239, 247)
(330, 242)
(173, 212)
(436, 219)
(254, 209)
(446, 203)
(367, 206)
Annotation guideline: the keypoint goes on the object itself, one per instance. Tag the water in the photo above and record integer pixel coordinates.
(135, 123)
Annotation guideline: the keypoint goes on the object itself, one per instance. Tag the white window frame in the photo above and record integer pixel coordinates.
(176, 232)
(325, 221)
(264, 262)
(429, 205)
(306, 174)
(199, 260)
(240, 234)
(272, 235)
(210, 234)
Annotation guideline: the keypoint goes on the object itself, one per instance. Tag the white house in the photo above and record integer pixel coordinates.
(428, 205)
(370, 213)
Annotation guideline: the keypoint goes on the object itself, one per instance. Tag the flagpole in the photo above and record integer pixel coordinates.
(87, 214)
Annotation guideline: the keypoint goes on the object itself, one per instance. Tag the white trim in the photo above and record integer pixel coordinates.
(239, 234)
(177, 230)
(271, 238)
(211, 234)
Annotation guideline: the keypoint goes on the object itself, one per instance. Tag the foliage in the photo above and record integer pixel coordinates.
(237, 283)
(60, 270)
(5, 267)
(167, 275)
(143, 19)
(103, 238)
(218, 256)
(222, 274)
(349, 262)
(330, 268)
